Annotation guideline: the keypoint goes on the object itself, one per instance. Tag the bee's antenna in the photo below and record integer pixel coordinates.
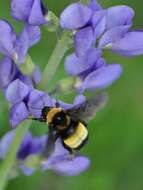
(36, 119)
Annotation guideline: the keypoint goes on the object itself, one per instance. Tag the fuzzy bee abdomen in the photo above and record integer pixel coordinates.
(75, 140)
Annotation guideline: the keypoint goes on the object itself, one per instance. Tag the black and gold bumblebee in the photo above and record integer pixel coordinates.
(70, 125)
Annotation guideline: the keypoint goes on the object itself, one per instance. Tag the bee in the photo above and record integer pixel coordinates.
(70, 125)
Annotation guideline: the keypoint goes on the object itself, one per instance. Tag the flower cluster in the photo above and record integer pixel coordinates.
(95, 29)
(29, 160)
(18, 85)
(92, 29)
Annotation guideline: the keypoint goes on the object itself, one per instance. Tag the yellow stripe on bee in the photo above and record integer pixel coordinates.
(76, 139)
(52, 113)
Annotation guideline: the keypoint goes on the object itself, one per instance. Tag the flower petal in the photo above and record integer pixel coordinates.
(75, 16)
(76, 65)
(16, 91)
(99, 22)
(130, 45)
(18, 113)
(7, 71)
(113, 35)
(94, 6)
(7, 39)
(33, 33)
(83, 40)
(20, 9)
(37, 100)
(29, 36)
(5, 142)
(102, 77)
(22, 46)
(71, 167)
(31, 145)
(115, 16)
(26, 80)
(26, 170)
(38, 13)
(36, 75)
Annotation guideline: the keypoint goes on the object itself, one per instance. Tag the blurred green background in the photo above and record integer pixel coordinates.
(116, 134)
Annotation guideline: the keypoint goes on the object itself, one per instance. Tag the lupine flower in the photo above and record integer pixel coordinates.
(16, 47)
(102, 28)
(32, 12)
(31, 150)
(92, 71)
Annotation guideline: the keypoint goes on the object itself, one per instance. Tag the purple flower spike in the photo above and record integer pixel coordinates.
(7, 39)
(7, 72)
(83, 40)
(18, 113)
(102, 77)
(31, 11)
(130, 45)
(75, 16)
(16, 91)
(76, 65)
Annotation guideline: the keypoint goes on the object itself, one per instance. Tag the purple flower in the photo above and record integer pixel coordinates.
(31, 147)
(102, 28)
(32, 12)
(62, 163)
(29, 36)
(18, 113)
(92, 71)
(75, 16)
(7, 39)
(8, 71)
(25, 102)
(16, 91)
(16, 47)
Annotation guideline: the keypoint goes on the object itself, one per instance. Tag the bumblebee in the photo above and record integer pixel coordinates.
(70, 125)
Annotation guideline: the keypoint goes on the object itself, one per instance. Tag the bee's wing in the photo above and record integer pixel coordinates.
(50, 145)
(87, 110)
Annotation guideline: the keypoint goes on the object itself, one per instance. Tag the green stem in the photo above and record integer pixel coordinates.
(54, 61)
(9, 161)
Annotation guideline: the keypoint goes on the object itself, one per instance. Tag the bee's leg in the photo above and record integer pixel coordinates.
(72, 154)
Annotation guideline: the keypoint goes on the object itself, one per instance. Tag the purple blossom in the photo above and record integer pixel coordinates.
(16, 46)
(8, 72)
(92, 71)
(32, 12)
(60, 160)
(102, 28)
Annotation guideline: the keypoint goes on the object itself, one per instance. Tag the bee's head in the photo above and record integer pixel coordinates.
(60, 120)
